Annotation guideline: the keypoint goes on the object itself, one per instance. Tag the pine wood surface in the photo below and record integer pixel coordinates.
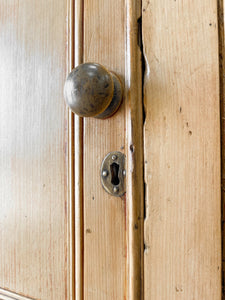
(222, 114)
(182, 151)
(91, 245)
(33, 184)
(104, 215)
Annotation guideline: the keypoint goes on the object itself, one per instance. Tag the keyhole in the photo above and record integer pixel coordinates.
(114, 168)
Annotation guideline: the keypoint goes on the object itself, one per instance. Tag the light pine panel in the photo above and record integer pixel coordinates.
(182, 257)
(33, 207)
(104, 215)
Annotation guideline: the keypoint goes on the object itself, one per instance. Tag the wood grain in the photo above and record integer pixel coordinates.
(222, 113)
(33, 195)
(182, 150)
(104, 215)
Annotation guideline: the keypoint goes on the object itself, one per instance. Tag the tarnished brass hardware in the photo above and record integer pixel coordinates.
(92, 91)
(113, 173)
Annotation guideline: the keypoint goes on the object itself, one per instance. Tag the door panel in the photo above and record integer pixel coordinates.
(33, 200)
(182, 150)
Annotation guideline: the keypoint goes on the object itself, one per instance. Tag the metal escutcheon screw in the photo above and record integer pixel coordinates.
(115, 189)
(114, 157)
(105, 173)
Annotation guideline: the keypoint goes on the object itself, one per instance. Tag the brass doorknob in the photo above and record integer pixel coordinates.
(92, 91)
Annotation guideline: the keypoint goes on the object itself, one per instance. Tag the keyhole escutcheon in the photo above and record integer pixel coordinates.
(113, 173)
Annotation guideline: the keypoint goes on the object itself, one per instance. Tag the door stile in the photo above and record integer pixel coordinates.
(105, 253)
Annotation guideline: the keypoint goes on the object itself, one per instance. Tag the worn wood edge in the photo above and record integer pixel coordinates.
(7, 295)
(70, 153)
(134, 153)
(222, 120)
(78, 134)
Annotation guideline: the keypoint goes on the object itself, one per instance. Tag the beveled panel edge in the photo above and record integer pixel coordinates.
(8, 295)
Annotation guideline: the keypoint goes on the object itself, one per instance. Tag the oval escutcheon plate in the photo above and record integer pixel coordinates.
(113, 173)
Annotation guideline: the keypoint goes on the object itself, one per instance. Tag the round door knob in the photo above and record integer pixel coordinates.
(92, 91)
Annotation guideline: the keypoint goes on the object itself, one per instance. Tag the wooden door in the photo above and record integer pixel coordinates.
(34, 261)
(182, 150)
(61, 235)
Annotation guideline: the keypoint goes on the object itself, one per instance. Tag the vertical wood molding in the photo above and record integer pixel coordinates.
(71, 161)
(134, 152)
(79, 230)
(75, 138)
